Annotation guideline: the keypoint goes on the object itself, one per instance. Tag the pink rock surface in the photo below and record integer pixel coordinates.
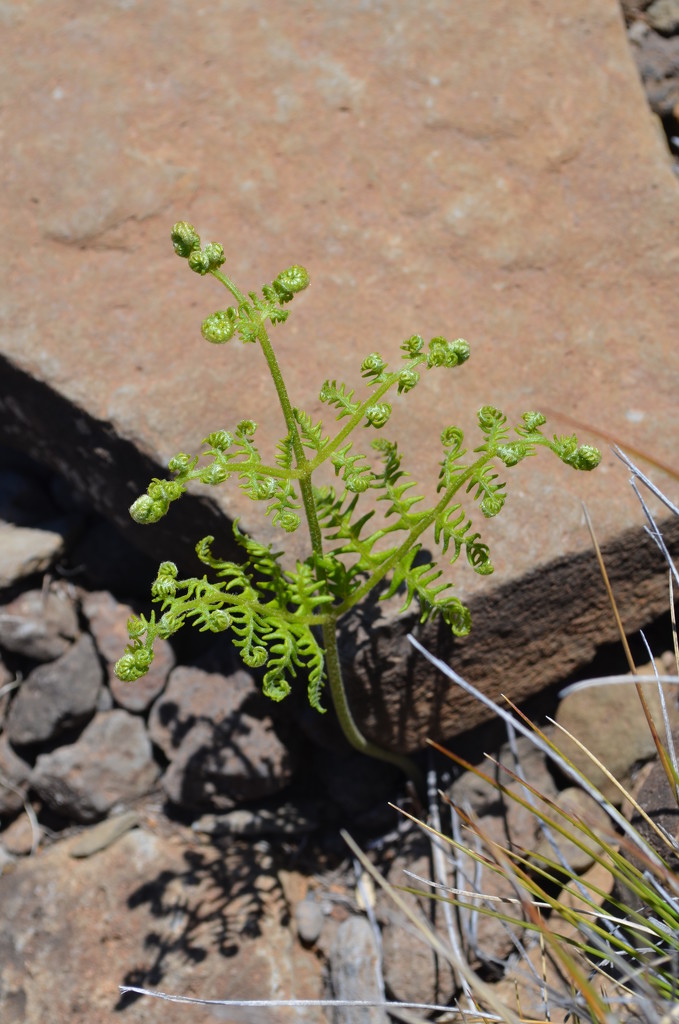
(154, 911)
(486, 170)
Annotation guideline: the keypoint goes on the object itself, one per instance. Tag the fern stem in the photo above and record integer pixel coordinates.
(286, 407)
(346, 720)
(329, 628)
(228, 283)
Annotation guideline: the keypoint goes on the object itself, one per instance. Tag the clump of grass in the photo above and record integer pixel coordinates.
(607, 940)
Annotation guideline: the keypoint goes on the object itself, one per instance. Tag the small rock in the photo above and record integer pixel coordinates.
(578, 804)
(219, 766)
(633, 8)
(220, 754)
(20, 838)
(8, 684)
(26, 550)
(105, 701)
(610, 723)
(7, 860)
(56, 697)
(14, 774)
(193, 695)
(107, 619)
(111, 762)
(663, 16)
(99, 837)
(39, 624)
(657, 60)
(413, 971)
(309, 921)
(637, 31)
(473, 794)
(355, 973)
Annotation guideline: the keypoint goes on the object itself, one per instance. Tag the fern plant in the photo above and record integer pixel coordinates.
(284, 621)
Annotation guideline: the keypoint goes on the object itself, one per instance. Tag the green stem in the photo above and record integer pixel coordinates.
(286, 407)
(329, 628)
(228, 283)
(346, 719)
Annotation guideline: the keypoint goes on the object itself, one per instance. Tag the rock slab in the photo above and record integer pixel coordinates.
(434, 179)
(146, 911)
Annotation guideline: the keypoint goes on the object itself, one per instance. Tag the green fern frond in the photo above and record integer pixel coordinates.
(313, 658)
(355, 470)
(248, 323)
(259, 558)
(311, 434)
(420, 582)
(493, 423)
(373, 369)
(290, 648)
(452, 468)
(308, 595)
(285, 452)
(490, 493)
(335, 515)
(337, 395)
(391, 460)
(287, 284)
(452, 526)
(282, 508)
(271, 611)
(267, 616)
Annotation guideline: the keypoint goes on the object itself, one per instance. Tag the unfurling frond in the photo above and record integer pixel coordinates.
(310, 432)
(266, 608)
(420, 581)
(337, 395)
(366, 535)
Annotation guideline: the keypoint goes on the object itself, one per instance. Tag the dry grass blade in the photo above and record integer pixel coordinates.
(662, 753)
(482, 991)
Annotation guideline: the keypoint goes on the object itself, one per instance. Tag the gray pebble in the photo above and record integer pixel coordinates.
(309, 921)
(100, 836)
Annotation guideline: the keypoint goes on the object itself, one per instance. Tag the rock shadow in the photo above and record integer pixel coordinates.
(206, 909)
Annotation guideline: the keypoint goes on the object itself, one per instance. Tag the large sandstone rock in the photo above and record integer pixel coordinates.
(147, 911)
(439, 168)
